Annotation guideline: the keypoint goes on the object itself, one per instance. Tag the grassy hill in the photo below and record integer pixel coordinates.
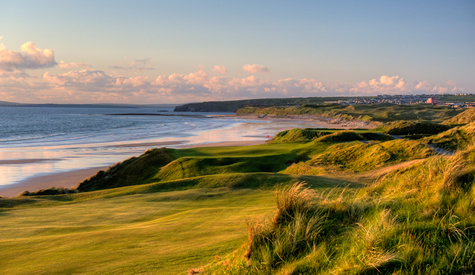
(418, 220)
(370, 204)
(465, 117)
(233, 106)
(383, 112)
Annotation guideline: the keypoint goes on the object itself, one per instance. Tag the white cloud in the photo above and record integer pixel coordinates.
(220, 69)
(73, 65)
(84, 80)
(385, 85)
(30, 57)
(447, 87)
(254, 68)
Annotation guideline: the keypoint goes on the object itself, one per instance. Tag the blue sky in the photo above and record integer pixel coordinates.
(166, 51)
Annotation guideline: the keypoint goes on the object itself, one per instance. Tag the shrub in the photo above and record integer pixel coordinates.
(49, 192)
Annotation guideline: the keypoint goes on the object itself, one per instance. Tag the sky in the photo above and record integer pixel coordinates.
(157, 52)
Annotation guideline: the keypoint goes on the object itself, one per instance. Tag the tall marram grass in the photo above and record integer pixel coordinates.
(417, 220)
(294, 230)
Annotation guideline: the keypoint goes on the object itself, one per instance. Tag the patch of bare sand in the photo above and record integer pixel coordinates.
(65, 179)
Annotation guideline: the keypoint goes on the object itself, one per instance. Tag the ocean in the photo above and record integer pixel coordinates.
(37, 141)
(44, 126)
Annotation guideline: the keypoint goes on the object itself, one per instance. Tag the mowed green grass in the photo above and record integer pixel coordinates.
(155, 233)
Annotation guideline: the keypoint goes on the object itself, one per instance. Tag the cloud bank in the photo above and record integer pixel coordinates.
(30, 57)
(82, 84)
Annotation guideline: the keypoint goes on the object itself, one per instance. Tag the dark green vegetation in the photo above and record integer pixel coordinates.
(233, 106)
(133, 171)
(458, 98)
(412, 128)
(49, 191)
(371, 204)
(310, 134)
(371, 112)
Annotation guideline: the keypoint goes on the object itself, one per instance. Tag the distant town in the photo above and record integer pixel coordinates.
(434, 99)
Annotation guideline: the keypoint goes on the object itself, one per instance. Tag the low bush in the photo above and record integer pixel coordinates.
(49, 192)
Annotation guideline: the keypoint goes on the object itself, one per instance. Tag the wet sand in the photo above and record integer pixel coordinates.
(148, 144)
(65, 179)
(24, 161)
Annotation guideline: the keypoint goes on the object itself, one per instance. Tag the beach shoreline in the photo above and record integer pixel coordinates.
(72, 178)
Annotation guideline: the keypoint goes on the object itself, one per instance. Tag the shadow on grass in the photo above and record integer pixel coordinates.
(13, 202)
(242, 181)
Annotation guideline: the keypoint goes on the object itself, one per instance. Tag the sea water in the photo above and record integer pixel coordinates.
(45, 126)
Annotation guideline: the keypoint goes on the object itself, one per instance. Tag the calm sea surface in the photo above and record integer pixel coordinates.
(36, 141)
(44, 126)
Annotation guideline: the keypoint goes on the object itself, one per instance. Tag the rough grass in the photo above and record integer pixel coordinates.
(359, 157)
(458, 138)
(419, 220)
(412, 128)
(467, 116)
(323, 135)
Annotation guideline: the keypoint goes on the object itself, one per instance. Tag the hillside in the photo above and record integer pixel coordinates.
(465, 117)
(233, 106)
(6, 103)
(382, 112)
(369, 203)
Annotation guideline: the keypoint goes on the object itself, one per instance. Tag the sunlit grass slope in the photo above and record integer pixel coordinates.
(418, 220)
(454, 139)
(465, 117)
(106, 233)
